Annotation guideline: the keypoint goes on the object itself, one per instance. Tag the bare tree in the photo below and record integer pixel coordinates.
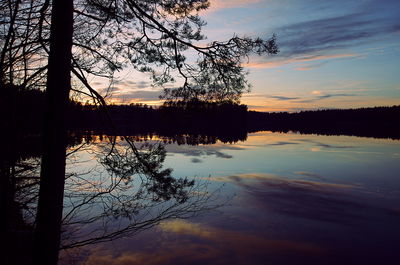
(23, 43)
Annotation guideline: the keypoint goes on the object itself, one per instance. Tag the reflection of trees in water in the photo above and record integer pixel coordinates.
(21, 178)
(135, 193)
(126, 192)
(26, 189)
(18, 191)
(77, 137)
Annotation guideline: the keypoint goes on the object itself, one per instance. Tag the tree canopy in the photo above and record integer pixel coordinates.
(44, 43)
(153, 36)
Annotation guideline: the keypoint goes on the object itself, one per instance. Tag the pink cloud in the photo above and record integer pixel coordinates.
(299, 59)
(221, 4)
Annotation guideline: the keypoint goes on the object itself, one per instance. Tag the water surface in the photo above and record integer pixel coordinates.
(283, 199)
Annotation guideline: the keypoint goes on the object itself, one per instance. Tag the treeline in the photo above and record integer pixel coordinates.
(380, 122)
(22, 110)
(206, 122)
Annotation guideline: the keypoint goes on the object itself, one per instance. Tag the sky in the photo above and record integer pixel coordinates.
(333, 54)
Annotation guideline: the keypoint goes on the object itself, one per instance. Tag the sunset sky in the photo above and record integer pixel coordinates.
(333, 54)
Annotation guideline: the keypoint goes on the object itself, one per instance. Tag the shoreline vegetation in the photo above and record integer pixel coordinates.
(206, 122)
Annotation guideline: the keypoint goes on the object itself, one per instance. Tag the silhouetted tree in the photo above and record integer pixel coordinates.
(51, 194)
(24, 40)
(105, 36)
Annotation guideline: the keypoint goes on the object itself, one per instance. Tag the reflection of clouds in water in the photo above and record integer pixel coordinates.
(236, 240)
(324, 145)
(303, 207)
(244, 177)
(220, 154)
(202, 150)
(196, 160)
(276, 139)
(318, 149)
(194, 243)
(184, 227)
(282, 143)
(192, 150)
(309, 174)
(346, 204)
(333, 148)
(274, 179)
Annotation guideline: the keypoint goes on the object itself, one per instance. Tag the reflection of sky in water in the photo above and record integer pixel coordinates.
(296, 199)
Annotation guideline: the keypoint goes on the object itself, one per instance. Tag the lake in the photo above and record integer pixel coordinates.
(275, 198)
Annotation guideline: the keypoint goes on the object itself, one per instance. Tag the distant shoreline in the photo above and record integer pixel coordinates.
(21, 113)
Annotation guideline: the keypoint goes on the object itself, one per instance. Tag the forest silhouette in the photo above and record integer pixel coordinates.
(210, 121)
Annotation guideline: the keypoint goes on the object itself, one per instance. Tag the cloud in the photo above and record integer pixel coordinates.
(142, 95)
(310, 66)
(333, 33)
(280, 60)
(325, 96)
(316, 96)
(130, 84)
(128, 91)
(141, 84)
(283, 97)
(108, 89)
(216, 5)
(264, 108)
(330, 35)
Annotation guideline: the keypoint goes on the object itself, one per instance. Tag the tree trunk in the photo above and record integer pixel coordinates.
(52, 176)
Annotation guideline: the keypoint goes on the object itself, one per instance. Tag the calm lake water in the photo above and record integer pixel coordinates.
(279, 199)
